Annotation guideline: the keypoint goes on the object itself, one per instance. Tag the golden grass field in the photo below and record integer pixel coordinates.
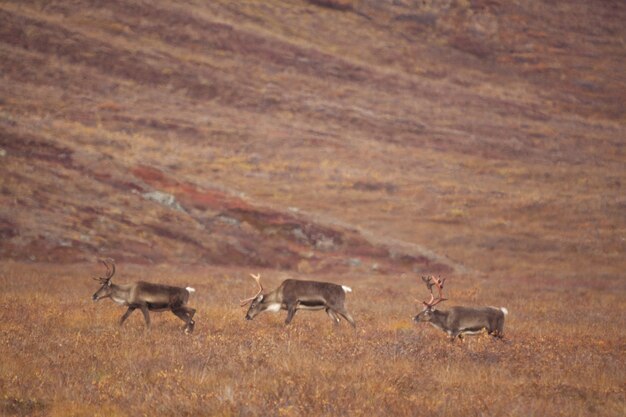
(563, 353)
(362, 142)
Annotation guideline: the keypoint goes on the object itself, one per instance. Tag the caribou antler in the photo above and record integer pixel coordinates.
(437, 282)
(429, 282)
(257, 278)
(110, 270)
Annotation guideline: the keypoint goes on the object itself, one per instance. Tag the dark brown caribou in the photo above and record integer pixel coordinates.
(458, 321)
(146, 297)
(293, 295)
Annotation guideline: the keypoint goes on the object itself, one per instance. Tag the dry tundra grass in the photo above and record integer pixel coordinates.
(64, 355)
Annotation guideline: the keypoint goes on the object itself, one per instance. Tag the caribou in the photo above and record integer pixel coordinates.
(458, 321)
(146, 297)
(293, 295)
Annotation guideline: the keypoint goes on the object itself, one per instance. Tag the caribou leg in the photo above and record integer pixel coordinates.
(291, 311)
(332, 315)
(146, 315)
(497, 334)
(125, 316)
(186, 314)
(454, 335)
(347, 316)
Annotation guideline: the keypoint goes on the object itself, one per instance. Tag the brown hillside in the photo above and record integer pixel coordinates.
(490, 132)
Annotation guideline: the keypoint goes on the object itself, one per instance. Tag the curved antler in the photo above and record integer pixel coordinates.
(429, 283)
(437, 282)
(257, 278)
(110, 270)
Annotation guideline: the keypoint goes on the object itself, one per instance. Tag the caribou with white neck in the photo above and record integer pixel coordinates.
(293, 295)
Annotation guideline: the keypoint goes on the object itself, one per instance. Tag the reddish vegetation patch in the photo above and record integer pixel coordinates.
(188, 193)
(152, 176)
(274, 238)
(210, 199)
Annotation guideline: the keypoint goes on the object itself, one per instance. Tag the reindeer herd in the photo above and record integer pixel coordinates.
(293, 295)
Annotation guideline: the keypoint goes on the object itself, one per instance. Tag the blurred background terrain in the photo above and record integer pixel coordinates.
(317, 134)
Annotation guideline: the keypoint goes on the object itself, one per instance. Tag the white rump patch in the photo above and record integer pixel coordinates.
(504, 310)
(274, 308)
(190, 289)
(346, 288)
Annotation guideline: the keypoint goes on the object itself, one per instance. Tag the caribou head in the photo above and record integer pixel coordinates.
(429, 306)
(105, 289)
(256, 301)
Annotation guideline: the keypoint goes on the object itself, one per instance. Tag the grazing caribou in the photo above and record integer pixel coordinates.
(146, 297)
(458, 321)
(293, 295)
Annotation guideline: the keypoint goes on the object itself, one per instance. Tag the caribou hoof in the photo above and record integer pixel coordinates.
(190, 326)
